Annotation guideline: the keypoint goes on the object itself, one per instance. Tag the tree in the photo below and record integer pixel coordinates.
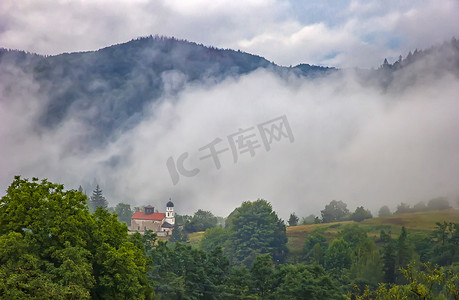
(389, 257)
(438, 203)
(201, 221)
(308, 220)
(334, 211)
(255, 229)
(184, 272)
(52, 247)
(178, 234)
(403, 208)
(124, 213)
(214, 237)
(384, 211)
(98, 200)
(261, 274)
(338, 255)
(353, 234)
(404, 249)
(304, 282)
(361, 214)
(314, 248)
(367, 266)
(293, 220)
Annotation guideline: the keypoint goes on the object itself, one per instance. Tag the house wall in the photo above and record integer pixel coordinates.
(142, 225)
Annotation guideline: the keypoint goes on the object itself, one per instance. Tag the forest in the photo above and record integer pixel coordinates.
(56, 244)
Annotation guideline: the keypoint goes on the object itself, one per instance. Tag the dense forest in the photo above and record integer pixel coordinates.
(53, 246)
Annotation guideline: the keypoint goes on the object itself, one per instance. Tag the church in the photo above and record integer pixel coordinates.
(160, 223)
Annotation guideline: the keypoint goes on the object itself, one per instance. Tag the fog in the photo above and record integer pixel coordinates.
(352, 141)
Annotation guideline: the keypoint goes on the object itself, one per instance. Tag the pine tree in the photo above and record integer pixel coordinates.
(98, 200)
(389, 257)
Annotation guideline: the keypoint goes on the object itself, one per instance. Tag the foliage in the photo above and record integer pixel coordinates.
(423, 282)
(438, 203)
(124, 213)
(201, 221)
(361, 214)
(184, 272)
(314, 249)
(214, 237)
(308, 220)
(304, 282)
(384, 211)
(97, 200)
(178, 234)
(293, 220)
(403, 208)
(388, 253)
(334, 211)
(338, 255)
(367, 267)
(353, 234)
(255, 229)
(52, 247)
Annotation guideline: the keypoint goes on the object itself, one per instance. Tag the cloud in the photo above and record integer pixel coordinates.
(352, 142)
(351, 34)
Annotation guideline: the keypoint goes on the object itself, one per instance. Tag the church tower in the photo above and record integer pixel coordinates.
(170, 215)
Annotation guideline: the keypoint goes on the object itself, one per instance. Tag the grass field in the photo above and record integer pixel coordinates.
(421, 221)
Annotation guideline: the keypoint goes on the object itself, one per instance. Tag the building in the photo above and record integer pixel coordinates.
(161, 223)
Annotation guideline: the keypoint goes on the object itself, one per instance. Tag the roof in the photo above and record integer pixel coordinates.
(167, 225)
(140, 215)
(170, 204)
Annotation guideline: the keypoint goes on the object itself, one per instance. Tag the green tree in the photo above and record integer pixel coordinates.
(353, 234)
(404, 249)
(255, 229)
(361, 214)
(262, 271)
(314, 248)
(338, 255)
(438, 203)
(124, 213)
(403, 208)
(334, 211)
(308, 220)
(384, 211)
(293, 220)
(183, 272)
(201, 221)
(304, 282)
(178, 234)
(367, 267)
(389, 256)
(214, 237)
(97, 200)
(52, 247)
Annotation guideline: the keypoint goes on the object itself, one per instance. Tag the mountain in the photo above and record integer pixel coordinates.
(109, 88)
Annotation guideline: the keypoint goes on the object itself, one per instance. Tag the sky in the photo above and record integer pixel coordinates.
(348, 141)
(331, 33)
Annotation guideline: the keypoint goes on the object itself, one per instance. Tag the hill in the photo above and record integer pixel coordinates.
(414, 222)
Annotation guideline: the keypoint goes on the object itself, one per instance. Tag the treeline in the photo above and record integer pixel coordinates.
(337, 211)
(52, 247)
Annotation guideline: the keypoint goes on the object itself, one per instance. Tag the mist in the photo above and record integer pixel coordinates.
(352, 141)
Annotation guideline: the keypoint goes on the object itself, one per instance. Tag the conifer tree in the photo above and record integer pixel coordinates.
(98, 200)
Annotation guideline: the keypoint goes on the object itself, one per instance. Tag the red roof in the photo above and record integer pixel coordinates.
(140, 215)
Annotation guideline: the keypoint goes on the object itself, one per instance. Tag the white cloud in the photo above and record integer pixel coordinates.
(358, 35)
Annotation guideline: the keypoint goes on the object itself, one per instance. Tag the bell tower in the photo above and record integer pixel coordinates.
(170, 215)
